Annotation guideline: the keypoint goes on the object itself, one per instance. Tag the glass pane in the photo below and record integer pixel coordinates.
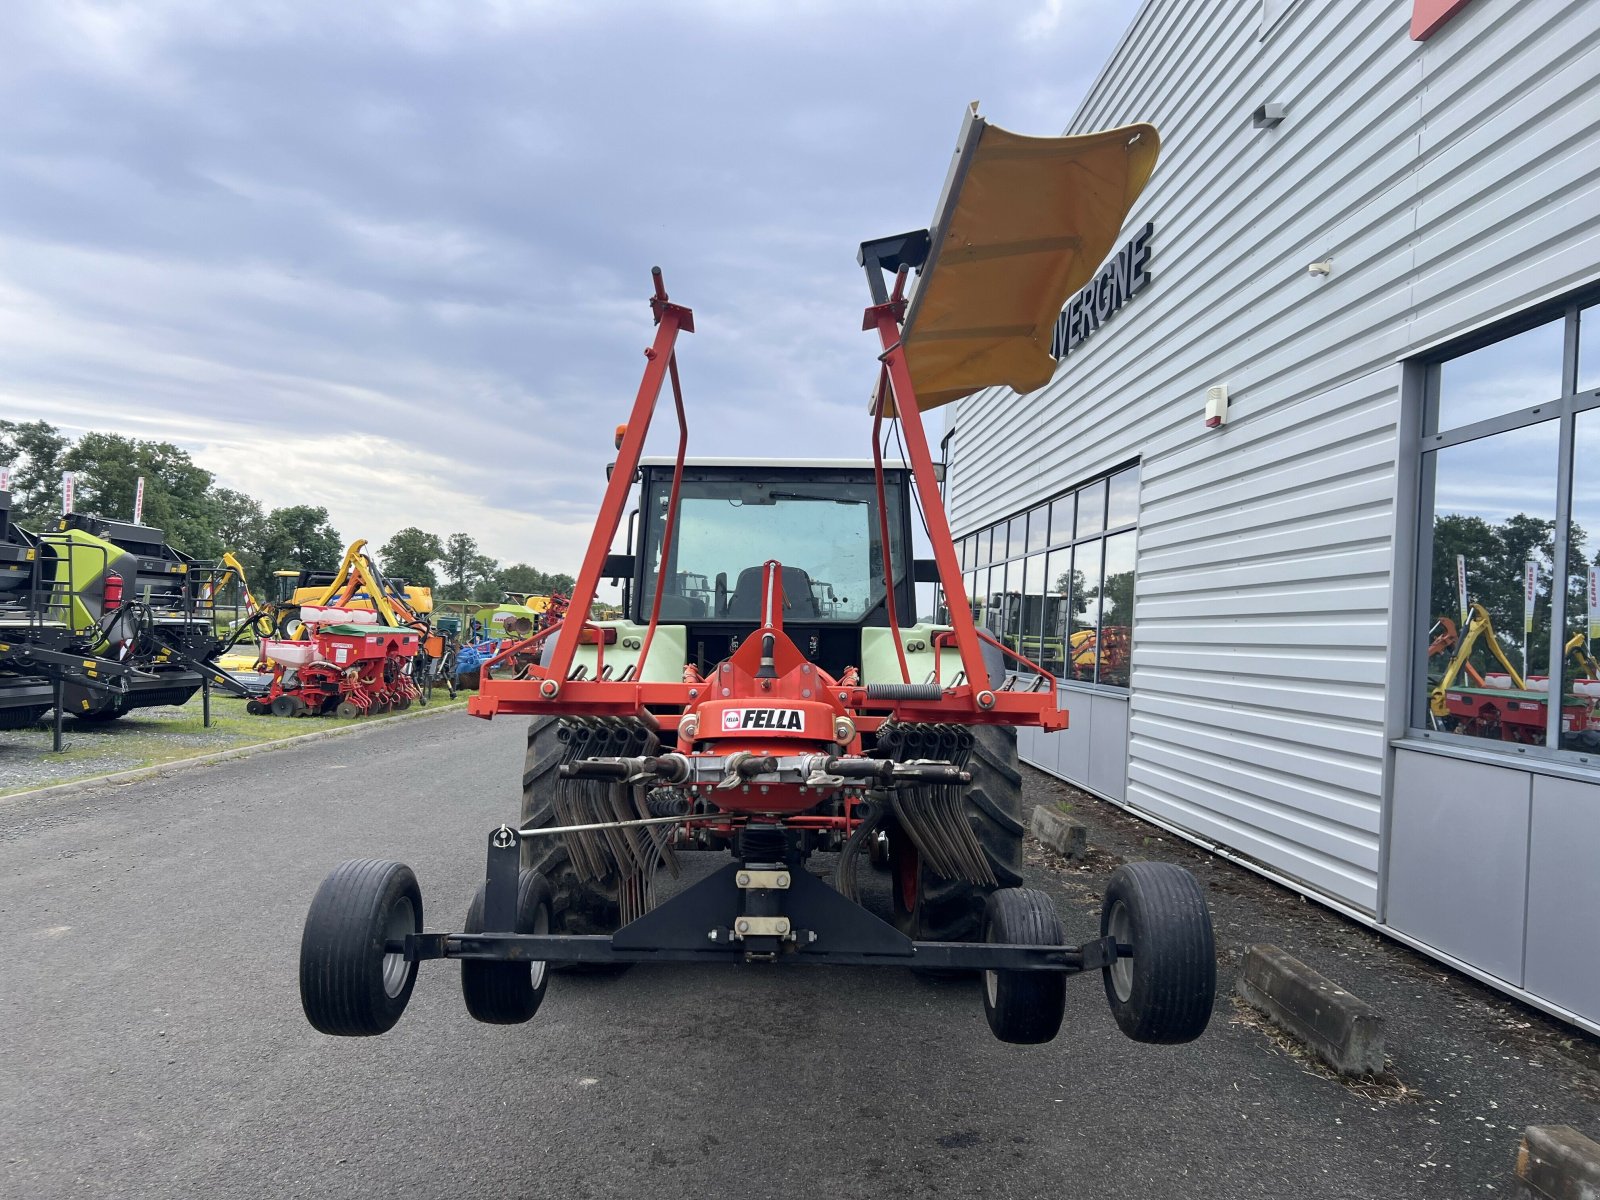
(1039, 528)
(1514, 373)
(1589, 349)
(1122, 503)
(994, 615)
(1019, 536)
(997, 542)
(1061, 513)
(1092, 509)
(1580, 705)
(975, 597)
(830, 533)
(1116, 610)
(1493, 514)
(1058, 586)
(1032, 605)
(1084, 619)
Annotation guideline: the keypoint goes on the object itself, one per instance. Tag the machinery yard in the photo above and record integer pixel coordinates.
(1109, 709)
(201, 1077)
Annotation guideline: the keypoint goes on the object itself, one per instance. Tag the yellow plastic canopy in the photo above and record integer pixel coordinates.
(1022, 224)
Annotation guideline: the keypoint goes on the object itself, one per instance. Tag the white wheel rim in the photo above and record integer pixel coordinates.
(402, 919)
(541, 924)
(1120, 929)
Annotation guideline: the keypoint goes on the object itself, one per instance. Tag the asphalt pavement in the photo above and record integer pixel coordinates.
(154, 1044)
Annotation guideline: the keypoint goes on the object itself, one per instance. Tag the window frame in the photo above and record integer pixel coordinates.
(1056, 543)
(1563, 409)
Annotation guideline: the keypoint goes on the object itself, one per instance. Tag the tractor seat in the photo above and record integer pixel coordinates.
(799, 604)
(681, 608)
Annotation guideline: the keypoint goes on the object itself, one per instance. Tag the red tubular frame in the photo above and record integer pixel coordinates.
(548, 689)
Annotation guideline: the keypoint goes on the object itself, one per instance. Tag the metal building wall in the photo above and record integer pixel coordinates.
(1452, 182)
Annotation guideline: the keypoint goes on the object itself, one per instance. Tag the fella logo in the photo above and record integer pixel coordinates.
(738, 719)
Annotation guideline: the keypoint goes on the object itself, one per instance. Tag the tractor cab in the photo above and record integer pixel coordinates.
(821, 519)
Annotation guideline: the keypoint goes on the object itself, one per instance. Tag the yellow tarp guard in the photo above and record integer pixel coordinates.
(1024, 223)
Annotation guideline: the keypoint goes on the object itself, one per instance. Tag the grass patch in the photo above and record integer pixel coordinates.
(153, 737)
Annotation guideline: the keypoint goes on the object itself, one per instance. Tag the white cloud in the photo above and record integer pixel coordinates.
(323, 246)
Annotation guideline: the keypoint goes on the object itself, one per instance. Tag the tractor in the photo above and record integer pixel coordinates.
(771, 698)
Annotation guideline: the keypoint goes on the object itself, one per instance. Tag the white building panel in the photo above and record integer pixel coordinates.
(1451, 183)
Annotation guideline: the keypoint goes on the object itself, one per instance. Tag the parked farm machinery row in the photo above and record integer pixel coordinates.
(99, 618)
(1480, 692)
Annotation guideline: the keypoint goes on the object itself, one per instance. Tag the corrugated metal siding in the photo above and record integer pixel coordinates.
(1452, 182)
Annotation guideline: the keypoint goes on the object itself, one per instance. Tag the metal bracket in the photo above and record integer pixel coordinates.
(761, 927)
(762, 879)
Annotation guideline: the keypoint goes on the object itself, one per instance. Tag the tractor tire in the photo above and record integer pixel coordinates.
(928, 907)
(350, 984)
(1024, 1007)
(576, 906)
(508, 993)
(1164, 993)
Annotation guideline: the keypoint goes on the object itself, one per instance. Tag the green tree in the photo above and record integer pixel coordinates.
(240, 526)
(529, 580)
(108, 467)
(468, 571)
(410, 555)
(300, 537)
(32, 450)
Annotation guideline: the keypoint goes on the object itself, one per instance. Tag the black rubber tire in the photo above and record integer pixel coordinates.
(1024, 1007)
(349, 985)
(1165, 992)
(508, 993)
(285, 705)
(952, 910)
(23, 717)
(576, 906)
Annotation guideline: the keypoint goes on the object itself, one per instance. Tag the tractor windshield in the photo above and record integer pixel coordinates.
(825, 532)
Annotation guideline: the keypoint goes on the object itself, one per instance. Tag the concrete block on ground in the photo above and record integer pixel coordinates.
(1339, 1028)
(1556, 1162)
(1053, 829)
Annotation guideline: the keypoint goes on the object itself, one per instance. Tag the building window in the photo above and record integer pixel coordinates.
(1055, 583)
(1509, 590)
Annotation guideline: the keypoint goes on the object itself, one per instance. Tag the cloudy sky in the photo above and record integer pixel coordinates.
(392, 258)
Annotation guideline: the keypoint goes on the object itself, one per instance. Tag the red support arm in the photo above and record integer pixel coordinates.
(670, 319)
(885, 318)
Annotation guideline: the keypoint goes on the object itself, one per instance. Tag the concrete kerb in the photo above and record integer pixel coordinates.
(1061, 835)
(1338, 1027)
(1556, 1162)
(200, 760)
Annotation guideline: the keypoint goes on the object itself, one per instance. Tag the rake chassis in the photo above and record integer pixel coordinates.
(767, 753)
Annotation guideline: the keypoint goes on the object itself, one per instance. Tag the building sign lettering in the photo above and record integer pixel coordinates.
(1120, 280)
